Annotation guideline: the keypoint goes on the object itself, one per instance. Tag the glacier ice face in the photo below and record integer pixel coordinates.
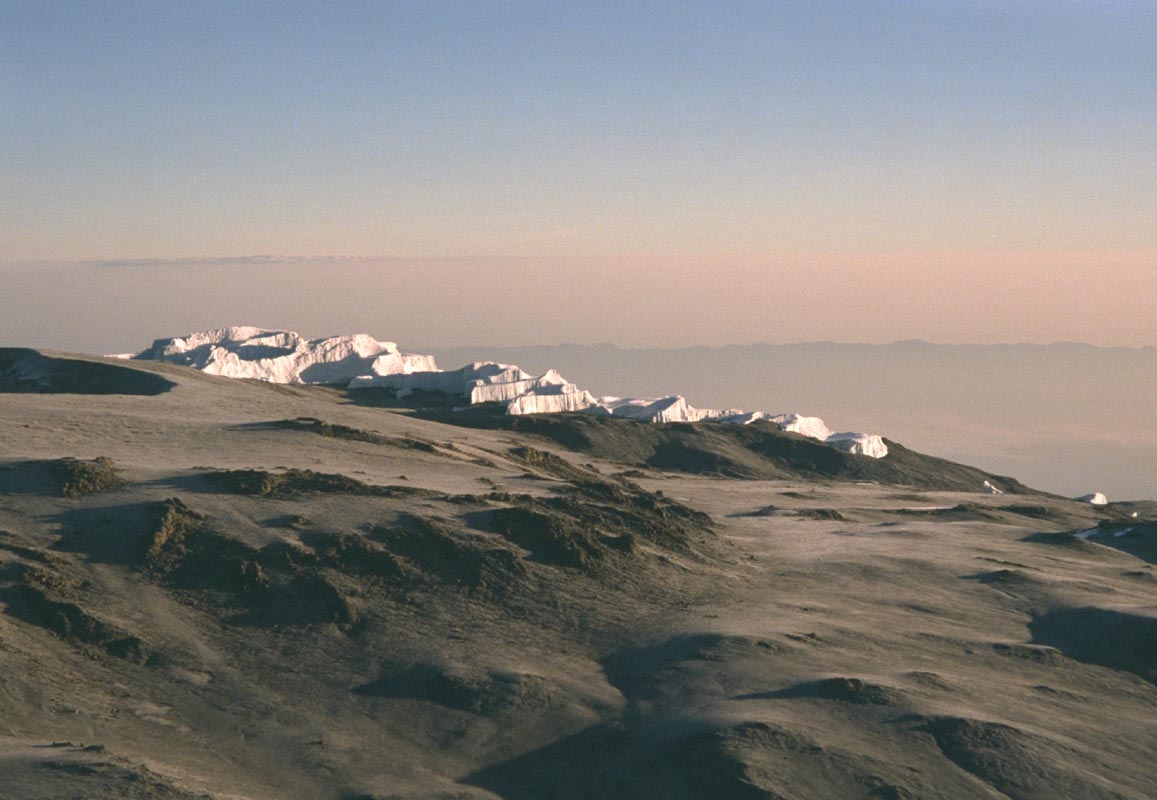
(813, 427)
(284, 356)
(360, 361)
(651, 409)
(1095, 498)
(553, 399)
(864, 444)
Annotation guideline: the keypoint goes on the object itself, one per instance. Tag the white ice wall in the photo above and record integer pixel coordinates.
(360, 361)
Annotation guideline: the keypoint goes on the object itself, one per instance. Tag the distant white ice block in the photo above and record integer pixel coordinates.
(676, 409)
(555, 399)
(804, 426)
(865, 444)
(510, 384)
(284, 356)
(453, 381)
(1096, 498)
(988, 488)
(165, 349)
(673, 408)
(652, 409)
(812, 427)
(393, 362)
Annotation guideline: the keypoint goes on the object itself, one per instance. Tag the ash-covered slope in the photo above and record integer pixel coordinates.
(26, 370)
(362, 362)
(268, 591)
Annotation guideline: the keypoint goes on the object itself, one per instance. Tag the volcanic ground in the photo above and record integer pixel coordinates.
(219, 588)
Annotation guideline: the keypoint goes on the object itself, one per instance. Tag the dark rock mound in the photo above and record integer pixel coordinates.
(821, 514)
(314, 425)
(310, 598)
(595, 522)
(1135, 538)
(748, 761)
(1037, 654)
(1016, 763)
(644, 672)
(844, 690)
(185, 553)
(167, 541)
(356, 555)
(442, 551)
(606, 761)
(1013, 582)
(136, 534)
(293, 483)
(554, 466)
(1068, 541)
(86, 772)
(1005, 576)
(474, 691)
(961, 512)
(343, 432)
(656, 657)
(682, 456)
(766, 511)
(11, 543)
(551, 538)
(62, 477)
(1114, 639)
(26, 371)
(75, 478)
(40, 598)
(1036, 512)
(827, 514)
(280, 584)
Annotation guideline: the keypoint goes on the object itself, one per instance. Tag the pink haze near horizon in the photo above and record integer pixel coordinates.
(1101, 298)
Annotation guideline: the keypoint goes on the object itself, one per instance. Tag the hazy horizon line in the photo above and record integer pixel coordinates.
(804, 343)
(264, 259)
(914, 342)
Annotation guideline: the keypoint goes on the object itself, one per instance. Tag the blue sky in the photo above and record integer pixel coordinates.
(166, 130)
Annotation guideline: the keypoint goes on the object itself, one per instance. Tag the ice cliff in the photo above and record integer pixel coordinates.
(1095, 498)
(360, 362)
(284, 356)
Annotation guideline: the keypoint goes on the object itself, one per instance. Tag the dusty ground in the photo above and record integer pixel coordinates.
(237, 603)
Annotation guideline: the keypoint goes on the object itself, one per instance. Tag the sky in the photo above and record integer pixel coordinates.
(533, 173)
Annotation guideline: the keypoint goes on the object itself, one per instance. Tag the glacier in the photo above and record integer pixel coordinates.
(1093, 498)
(284, 356)
(359, 361)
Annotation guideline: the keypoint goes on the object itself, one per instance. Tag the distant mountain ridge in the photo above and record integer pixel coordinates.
(1069, 417)
(361, 362)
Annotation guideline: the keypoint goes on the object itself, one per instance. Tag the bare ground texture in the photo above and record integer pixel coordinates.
(236, 590)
